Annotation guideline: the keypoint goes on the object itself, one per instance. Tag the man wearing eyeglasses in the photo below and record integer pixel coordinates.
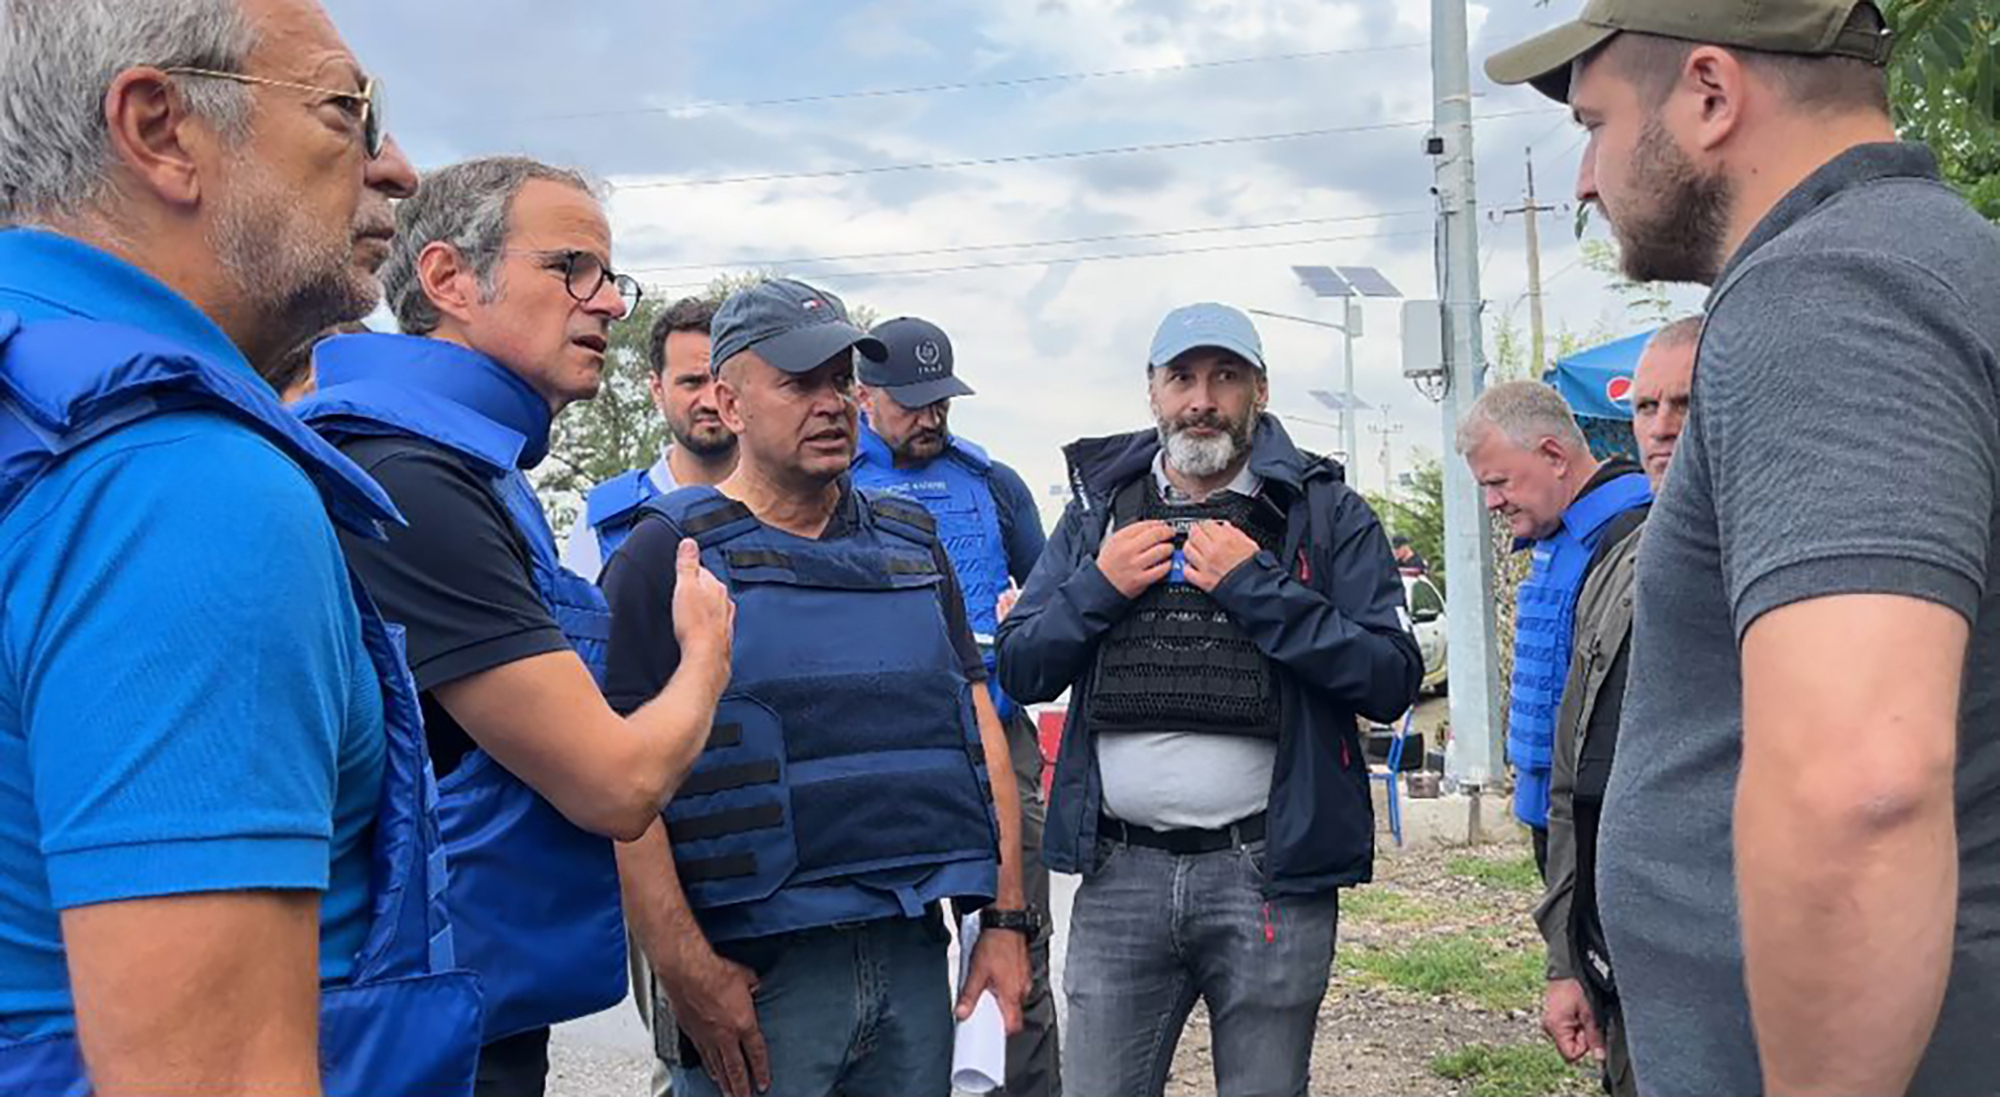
(987, 520)
(215, 827)
(502, 282)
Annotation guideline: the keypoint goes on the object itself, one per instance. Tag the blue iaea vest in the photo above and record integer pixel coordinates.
(955, 490)
(612, 508)
(844, 779)
(408, 1018)
(1544, 618)
(533, 896)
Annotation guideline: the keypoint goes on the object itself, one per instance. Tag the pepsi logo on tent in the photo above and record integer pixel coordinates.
(1618, 390)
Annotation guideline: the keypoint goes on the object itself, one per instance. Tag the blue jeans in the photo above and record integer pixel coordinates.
(859, 1011)
(1153, 932)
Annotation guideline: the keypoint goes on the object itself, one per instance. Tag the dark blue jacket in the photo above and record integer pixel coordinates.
(1328, 611)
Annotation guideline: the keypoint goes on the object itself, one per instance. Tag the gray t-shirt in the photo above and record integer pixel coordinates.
(1845, 438)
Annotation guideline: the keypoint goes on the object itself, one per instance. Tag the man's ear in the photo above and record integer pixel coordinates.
(727, 402)
(159, 142)
(1556, 454)
(1707, 101)
(448, 280)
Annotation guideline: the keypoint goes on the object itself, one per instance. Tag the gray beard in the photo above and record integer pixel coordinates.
(1198, 457)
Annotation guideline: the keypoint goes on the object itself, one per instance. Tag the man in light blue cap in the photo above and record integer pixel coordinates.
(1221, 607)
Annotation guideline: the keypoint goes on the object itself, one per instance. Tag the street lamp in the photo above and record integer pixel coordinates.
(1349, 284)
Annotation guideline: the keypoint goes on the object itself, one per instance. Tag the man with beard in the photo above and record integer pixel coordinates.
(1221, 606)
(1580, 1005)
(987, 520)
(699, 450)
(502, 282)
(857, 776)
(1801, 861)
(1535, 471)
(211, 791)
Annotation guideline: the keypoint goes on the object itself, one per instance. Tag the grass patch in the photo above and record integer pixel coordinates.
(1468, 965)
(1509, 1070)
(1385, 907)
(1511, 873)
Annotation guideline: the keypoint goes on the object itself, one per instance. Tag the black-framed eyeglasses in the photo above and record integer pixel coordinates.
(364, 106)
(584, 274)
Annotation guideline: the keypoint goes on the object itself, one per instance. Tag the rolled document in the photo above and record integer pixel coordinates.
(979, 1047)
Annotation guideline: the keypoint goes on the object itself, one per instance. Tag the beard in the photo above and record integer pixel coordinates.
(1205, 457)
(705, 437)
(923, 445)
(287, 267)
(1679, 234)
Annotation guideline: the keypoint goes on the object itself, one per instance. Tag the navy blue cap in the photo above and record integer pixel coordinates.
(1206, 325)
(917, 372)
(789, 324)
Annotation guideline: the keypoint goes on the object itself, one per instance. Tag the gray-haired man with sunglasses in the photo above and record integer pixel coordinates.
(502, 282)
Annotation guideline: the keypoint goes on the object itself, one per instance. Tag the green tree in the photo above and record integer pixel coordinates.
(1945, 87)
(1418, 513)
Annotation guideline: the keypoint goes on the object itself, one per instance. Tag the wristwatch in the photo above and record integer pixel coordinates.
(1027, 922)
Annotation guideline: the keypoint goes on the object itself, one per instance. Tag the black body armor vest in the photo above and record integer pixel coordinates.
(1176, 661)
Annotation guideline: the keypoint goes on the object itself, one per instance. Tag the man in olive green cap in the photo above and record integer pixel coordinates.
(1799, 858)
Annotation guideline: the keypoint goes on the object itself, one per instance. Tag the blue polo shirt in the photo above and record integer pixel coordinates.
(185, 701)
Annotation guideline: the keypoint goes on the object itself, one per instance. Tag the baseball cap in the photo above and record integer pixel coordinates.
(1217, 327)
(790, 325)
(1808, 27)
(916, 373)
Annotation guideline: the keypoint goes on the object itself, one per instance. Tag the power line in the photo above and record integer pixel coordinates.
(1073, 154)
(971, 85)
(802, 260)
(1051, 261)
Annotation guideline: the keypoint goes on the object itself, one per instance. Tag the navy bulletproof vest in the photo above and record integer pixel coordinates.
(956, 491)
(533, 896)
(408, 1019)
(844, 780)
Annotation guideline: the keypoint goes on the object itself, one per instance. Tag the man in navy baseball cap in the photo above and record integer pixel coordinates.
(793, 327)
(987, 519)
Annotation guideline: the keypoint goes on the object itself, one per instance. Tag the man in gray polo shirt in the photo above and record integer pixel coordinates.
(1795, 899)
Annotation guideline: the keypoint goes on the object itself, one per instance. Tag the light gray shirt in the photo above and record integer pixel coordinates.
(580, 553)
(1175, 779)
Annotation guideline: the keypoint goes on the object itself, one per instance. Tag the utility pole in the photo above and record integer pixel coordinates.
(1476, 758)
(1386, 429)
(1531, 212)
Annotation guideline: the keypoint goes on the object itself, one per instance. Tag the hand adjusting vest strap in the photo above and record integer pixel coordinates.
(535, 898)
(408, 1019)
(1176, 661)
(844, 779)
(612, 508)
(955, 489)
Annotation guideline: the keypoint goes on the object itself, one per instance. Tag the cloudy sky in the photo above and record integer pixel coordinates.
(741, 136)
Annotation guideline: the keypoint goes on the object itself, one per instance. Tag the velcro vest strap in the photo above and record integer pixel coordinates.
(726, 778)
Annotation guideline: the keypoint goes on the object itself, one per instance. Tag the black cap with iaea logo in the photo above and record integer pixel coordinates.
(917, 372)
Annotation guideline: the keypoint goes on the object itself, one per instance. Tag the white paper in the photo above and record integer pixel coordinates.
(979, 1047)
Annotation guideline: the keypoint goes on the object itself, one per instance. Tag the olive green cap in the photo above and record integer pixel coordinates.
(1809, 27)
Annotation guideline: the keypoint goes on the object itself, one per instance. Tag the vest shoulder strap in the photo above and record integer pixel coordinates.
(703, 513)
(617, 497)
(899, 516)
(972, 454)
(1129, 501)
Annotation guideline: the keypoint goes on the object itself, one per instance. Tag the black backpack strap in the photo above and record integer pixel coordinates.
(1616, 530)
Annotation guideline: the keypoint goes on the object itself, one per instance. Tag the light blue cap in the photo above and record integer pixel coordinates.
(1209, 325)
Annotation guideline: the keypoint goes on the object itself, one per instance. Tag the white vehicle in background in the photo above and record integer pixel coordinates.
(1426, 604)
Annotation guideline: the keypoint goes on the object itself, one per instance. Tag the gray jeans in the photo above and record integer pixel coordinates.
(1153, 932)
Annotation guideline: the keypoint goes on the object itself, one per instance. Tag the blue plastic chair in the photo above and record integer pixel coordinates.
(1395, 771)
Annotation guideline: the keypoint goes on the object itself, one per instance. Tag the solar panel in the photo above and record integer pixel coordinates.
(1369, 282)
(1337, 401)
(1323, 282)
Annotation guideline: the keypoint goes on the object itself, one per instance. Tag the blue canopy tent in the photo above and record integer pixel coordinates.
(1597, 386)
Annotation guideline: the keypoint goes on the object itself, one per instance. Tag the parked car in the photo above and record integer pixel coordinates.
(1426, 604)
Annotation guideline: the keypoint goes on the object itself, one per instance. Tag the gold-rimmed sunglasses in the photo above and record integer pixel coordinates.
(365, 105)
